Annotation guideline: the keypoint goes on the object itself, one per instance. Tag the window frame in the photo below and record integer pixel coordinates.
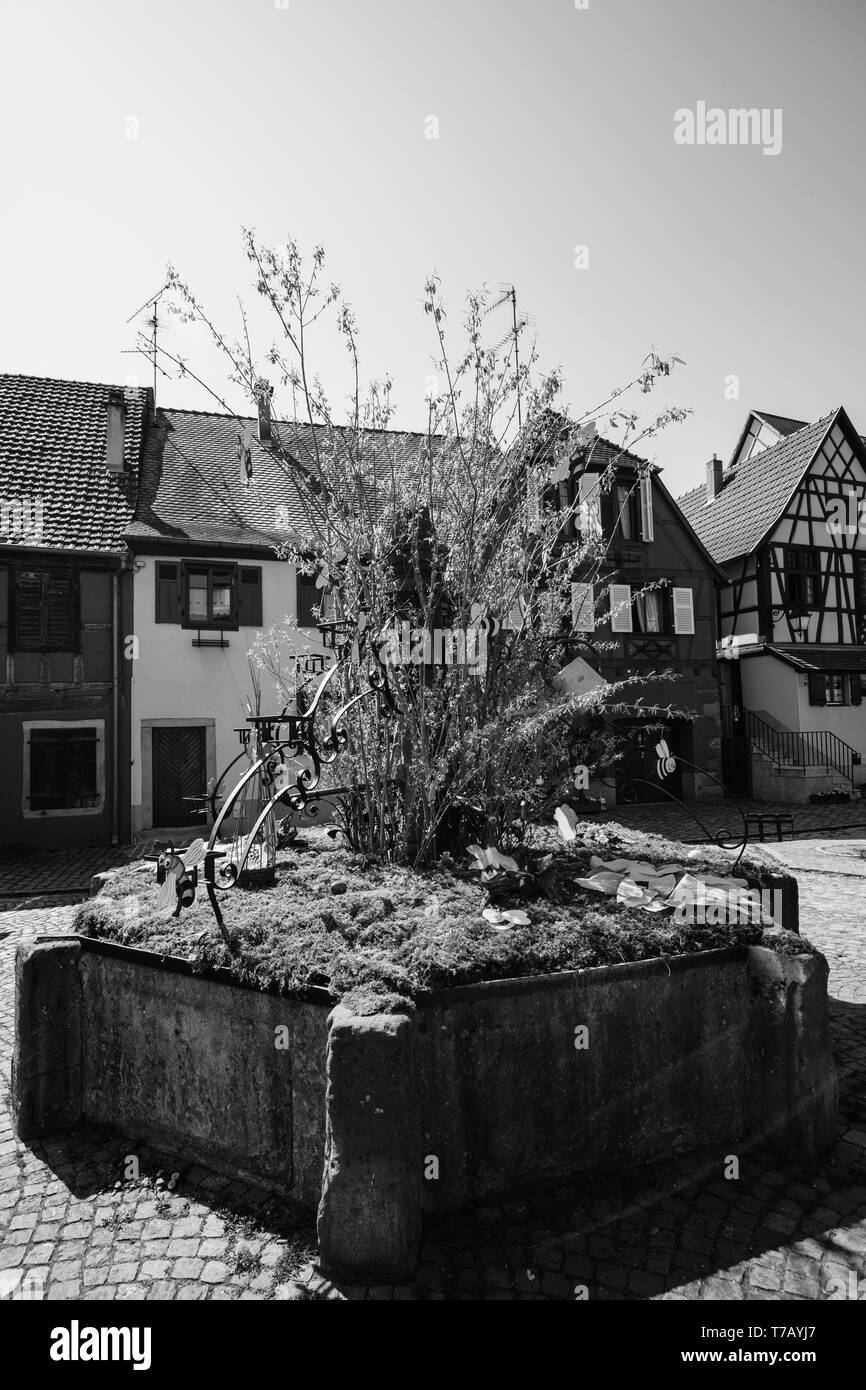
(64, 725)
(210, 623)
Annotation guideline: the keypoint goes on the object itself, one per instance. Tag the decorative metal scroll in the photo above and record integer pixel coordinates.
(665, 766)
(268, 745)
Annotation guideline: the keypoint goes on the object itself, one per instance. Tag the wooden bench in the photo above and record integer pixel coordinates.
(761, 821)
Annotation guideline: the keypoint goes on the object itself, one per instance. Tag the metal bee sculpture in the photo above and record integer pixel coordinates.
(177, 872)
(666, 765)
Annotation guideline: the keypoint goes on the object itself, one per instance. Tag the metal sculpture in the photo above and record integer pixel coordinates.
(177, 872)
(270, 745)
(666, 765)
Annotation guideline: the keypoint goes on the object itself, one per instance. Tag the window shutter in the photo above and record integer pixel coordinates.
(620, 598)
(646, 507)
(250, 613)
(308, 597)
(167, 593)
(60, 612)
(856, 688)
(533, 500)
(27, 611)
(590, 508)
(582, 608)
(817, 689)
(684, 616)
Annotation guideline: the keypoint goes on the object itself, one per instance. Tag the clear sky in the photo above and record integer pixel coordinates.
(556, 130)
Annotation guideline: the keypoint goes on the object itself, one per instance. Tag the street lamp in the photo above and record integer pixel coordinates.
(798, 617)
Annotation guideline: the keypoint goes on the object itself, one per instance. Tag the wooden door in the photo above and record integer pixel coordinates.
(179, 771)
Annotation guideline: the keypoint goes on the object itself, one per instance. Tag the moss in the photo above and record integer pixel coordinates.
(396, 933)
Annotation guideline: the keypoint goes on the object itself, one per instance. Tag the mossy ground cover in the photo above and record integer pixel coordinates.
(390, 934)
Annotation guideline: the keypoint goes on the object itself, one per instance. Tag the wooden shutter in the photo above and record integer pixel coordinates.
(856, 688)
(308, 597)
(590, 508)
(533, 500)
(27, 611)
(60, 612)
(167, 593)
(582, 608)
(817, 689)
(620, 598)
(646, 507)
(684, 615)
(250, 588)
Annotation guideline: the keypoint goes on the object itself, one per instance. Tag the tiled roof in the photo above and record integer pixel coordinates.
(52, 449)
(782, 424)
(815, 659)
(192, 488)
(753, 493)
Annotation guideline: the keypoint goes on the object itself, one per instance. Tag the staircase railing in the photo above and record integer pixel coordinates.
(790, 748)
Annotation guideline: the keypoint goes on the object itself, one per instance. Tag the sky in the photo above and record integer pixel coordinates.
(141, 134)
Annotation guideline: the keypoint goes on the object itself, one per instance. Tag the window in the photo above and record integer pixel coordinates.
(45, 611)
(829, 689)
(209, 595)
(202, 595)
(652, 611)
(802, 576)
(656, 610)
(64, 768)
(627, 512)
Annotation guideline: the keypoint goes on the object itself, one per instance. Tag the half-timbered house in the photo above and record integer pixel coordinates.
(786, 521)
(647, 608)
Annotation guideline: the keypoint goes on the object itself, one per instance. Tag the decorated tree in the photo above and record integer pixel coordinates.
(438, 559)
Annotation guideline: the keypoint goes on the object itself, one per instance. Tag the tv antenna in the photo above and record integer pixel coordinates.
(508, 294)
(152, 323)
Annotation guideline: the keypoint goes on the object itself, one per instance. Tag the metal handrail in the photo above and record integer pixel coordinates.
(792, 748)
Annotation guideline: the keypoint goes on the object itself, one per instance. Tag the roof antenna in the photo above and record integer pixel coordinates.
(152, 322)
(508, 293)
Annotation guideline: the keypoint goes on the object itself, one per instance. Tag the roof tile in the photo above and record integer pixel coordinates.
(52, 450)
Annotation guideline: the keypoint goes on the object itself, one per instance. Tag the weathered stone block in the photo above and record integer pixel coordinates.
(46, 1062)
(369, 1220)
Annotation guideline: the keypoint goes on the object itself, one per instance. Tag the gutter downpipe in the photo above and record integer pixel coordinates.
(115, 704)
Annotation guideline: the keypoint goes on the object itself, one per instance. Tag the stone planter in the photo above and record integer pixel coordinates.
(478, 1091)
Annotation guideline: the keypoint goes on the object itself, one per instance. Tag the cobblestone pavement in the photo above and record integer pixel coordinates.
(681, 1231)
(840, 820)
(54, 879)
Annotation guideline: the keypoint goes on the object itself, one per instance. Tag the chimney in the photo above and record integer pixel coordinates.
(714, 478)
(114, 460)
(264, 391)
